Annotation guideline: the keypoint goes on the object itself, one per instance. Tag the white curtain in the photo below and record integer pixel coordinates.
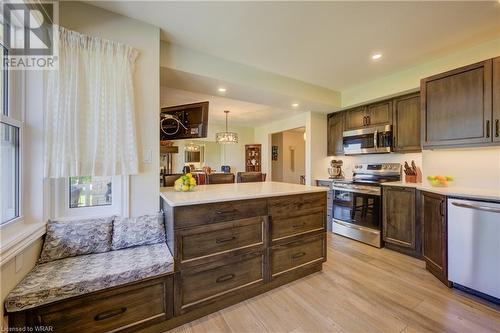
(89, 109)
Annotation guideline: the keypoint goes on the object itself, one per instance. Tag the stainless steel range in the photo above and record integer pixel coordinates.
(357, 204)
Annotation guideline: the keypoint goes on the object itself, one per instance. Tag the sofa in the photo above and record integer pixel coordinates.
(100, 274)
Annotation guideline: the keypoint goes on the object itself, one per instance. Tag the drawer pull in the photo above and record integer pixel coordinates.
(225, 278)
(109, 314)
(229, 211)
(225, 240)
(298, 255)
(299, 225)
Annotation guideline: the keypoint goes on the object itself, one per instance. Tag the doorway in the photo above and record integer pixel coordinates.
(288, 156)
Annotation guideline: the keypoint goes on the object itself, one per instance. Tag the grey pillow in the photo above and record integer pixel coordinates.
(76, 237)
(141, 230)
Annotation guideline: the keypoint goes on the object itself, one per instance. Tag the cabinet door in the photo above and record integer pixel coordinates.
(433, 213)
(456, 106)
(406, 123)
(335, 129)
(399, 216)
(355, 118)
(496, 99)
(379, 114)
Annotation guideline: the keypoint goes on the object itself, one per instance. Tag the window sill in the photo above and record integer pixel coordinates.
(20, 240)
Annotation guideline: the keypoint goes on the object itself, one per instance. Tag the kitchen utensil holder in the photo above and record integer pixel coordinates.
(411, 178)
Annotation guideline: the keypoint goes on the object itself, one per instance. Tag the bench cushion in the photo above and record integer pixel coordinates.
(142, 230)
(65, 278)
(76, 237)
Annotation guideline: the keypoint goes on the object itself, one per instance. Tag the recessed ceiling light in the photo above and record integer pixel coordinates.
(376, 56)
(294, 105)
(222, 89)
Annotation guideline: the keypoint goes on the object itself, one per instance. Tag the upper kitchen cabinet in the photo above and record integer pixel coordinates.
(496, 99)
(457, 107)
(355, 118)
(335, 129)
(406, 123)
(379, 114)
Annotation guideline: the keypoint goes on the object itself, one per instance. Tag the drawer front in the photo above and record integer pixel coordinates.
(293, 204)
(285, 227)
(188, 216)
(109, 312)
(293, 255)
(199, 285)
(222, 237)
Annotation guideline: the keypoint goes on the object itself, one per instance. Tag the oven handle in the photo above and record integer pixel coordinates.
(349, 225)
(374, 193)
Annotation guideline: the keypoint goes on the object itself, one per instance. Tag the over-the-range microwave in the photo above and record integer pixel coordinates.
(372, 140)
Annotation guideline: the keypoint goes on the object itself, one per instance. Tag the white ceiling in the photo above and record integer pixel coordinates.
(324, 43)
(241, 113)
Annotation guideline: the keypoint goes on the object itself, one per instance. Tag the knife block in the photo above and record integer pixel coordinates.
(414, 178)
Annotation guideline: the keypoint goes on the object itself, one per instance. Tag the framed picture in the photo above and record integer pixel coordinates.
(274, 153)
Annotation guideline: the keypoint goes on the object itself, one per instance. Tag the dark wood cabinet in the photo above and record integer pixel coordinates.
(335, 131)
(406, 124)
(435, 250)
(401, 232)
(355, 118)
(457, 107)
(496, 99)
(379, 114)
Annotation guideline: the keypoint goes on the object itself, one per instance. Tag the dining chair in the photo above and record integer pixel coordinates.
(250, 177)
(220, 178)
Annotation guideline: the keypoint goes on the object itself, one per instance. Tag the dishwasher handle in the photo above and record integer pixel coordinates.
(477, 207)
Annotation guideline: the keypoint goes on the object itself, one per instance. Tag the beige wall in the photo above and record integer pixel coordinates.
(84, 18)
(293, 140)
(277, 166)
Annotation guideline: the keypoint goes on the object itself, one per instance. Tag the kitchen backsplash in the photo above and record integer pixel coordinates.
(472, 167)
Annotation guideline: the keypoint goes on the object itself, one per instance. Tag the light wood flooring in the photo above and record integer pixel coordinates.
(361, 289)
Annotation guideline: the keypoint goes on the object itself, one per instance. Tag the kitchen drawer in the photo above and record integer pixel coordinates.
(296, 225)
(204, 241)
(113, 310)
(188, 216)
(297, 254)
(294, 204)
(206, 283)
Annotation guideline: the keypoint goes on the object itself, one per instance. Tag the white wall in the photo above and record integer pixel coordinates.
(84, 18)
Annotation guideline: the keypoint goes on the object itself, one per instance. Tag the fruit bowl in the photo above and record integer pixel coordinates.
(185, 183)
(439, 181)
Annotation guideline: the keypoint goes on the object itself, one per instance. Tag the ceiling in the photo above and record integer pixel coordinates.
(242, 113)
(323, 43)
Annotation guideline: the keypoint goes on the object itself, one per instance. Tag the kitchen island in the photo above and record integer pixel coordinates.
(231, 242)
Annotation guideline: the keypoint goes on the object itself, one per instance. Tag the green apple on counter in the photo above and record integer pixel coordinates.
(439, 180)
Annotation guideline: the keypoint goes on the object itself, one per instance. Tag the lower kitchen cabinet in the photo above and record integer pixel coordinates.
(434, 222)
(401, 227)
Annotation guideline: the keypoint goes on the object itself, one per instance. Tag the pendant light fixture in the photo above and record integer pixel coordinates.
(226, 137)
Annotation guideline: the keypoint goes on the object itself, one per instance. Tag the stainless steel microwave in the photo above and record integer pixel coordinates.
(372, 140)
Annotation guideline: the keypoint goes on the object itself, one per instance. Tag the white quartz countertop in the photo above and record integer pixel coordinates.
(237, 191)
(452, 191)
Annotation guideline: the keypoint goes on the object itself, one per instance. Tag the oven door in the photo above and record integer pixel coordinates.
(358, 209)
(368, 140)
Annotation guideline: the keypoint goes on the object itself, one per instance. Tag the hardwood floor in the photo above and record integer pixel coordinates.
(361, 289)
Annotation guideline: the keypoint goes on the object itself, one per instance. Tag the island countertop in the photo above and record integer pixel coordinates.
(237, 191)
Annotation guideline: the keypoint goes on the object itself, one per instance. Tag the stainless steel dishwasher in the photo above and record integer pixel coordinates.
(474, 246)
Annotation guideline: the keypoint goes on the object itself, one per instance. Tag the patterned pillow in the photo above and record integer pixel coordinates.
(76, 237)
(142, 230)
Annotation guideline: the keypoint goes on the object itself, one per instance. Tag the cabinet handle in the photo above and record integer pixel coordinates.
(364, 121)
(299, 225)
(225, 278)
(394, 141)
(368, 120)
(441, 208)
(229, 211)
(298, 255)
(487, 128)
(225, 240)
(497, 128)
(109, 314)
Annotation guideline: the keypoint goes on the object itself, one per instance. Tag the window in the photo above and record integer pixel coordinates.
(89, 192)
(10, 148)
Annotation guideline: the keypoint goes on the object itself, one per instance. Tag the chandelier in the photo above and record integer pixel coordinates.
(191, 147)
(226, 137)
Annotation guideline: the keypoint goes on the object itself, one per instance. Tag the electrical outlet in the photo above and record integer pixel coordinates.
(19, 262)
(148, 156)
